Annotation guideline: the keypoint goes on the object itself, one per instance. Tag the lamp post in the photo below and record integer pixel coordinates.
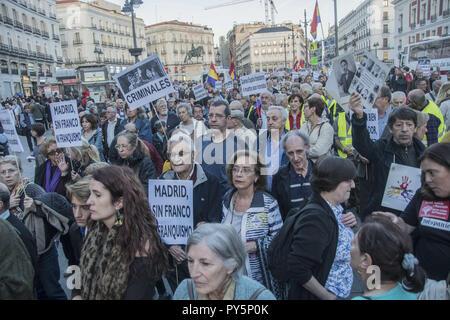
(128, 7)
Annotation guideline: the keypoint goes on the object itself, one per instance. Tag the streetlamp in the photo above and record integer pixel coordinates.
(99, 52)
(128, 7)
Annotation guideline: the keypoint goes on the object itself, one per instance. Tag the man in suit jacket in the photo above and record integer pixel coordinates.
(346, 77)
(110, 129)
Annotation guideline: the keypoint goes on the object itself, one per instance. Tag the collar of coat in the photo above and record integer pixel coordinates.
(257, 201)
(201, 175)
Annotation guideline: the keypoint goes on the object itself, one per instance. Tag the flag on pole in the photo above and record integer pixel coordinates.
(212, 75)
(316, 21)
(295, 67)
(232, 71)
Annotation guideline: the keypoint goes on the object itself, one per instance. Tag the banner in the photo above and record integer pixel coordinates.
(144, 82)
(253, 84)
(9, 130)
(199, 92)
(171, 202)
(402, 184)
(368, 80)
(66, 123)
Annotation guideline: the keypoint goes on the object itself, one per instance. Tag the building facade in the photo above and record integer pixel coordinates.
(98, 33)
(370, 27)
(30, 48)
(422, 31)
(270, 49)
(185, 49)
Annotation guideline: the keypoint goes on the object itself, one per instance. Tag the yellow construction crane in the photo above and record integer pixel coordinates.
(269, 20)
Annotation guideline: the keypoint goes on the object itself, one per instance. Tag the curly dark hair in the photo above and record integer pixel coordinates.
(91, 119)
(139, 232)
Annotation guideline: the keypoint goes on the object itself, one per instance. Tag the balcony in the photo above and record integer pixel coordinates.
(36, 31)
(104, 43)
(400, 30)
(23, 52)
(422, 22)
(32, 54)
(23, 72)
(56, 37)
(32, 73)
(102, 28)
(77, 42)
(14, 71)
(18, 25)
(52, 16)
(64, 44)
(93, 26)
(45, 34)
(32, 7)
(412, 26)
(49, 74)
(4, 48)
(41, 74)
(446, 13)
(62, 26)
(60, 59)
(4, 70)
(23, 3)
(28, 28)
(42, 12)
(96, 42)
(110, 44)
(8, 20)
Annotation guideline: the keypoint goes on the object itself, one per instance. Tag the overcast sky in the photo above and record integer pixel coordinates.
(221, 19)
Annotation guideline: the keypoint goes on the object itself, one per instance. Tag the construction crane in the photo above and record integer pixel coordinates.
(273, 9)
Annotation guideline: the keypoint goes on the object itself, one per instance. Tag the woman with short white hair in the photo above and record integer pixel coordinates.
(194, 127)
(216, 259)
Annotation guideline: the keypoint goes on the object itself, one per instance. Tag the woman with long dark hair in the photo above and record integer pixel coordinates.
(123, 256)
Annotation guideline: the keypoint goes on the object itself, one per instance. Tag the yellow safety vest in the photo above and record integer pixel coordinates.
(433, 109)
(331, 104)
(344, 134)
(250, 111)
(302, 119)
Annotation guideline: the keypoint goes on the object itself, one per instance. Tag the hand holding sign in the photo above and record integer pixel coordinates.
(356, 106)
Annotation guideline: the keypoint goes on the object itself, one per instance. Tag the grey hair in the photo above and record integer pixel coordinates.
(417, 96)
(293, 133)
(187, 106)
(436, 83)
(267, 92)
(399, 94)
(305, 87)
(316, 85)
(181, 136)
(280, 97)
(225, 242)
(238, 103)
(161, 101)
(282, 110)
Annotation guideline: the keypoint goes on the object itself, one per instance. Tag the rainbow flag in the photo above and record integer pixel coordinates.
(316, 21)
(295, 67)
(232, 71)
(212, 75)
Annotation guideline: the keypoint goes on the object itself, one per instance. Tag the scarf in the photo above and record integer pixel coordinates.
(104, 272)
(50, 185)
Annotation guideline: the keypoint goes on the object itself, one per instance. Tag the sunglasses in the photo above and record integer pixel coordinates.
(57, 151)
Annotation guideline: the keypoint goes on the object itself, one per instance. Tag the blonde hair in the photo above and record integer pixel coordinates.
(79, 189)
(87, 152)
(12, 160)
(95, 166)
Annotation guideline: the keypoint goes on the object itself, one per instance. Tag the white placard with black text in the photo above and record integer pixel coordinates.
(199, 92)
(10, 131)
(66, 123)
(254, 83)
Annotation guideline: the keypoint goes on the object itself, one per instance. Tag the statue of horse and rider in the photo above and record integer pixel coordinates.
(194, 53)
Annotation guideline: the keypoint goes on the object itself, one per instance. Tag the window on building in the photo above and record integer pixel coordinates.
(386, 3)
(385, 55)
(414, 16)
(385, 15)
(385, 42)
(424, 11)
(433, 33)
(385, 28)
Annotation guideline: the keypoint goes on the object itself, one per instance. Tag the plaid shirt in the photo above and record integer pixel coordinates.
(433, 129)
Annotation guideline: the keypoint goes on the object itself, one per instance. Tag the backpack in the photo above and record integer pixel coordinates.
(280, 247)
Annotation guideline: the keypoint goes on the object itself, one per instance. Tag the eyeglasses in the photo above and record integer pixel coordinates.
(218, 116)
(10, 171)
(122, 147)
(245, 171)
(180, 154)
(57, 151)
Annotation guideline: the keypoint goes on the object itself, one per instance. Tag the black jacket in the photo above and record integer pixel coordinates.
(313, 248)
(105, 135)
(172, 121)
(399, 84)
(142, 166)
(72, 243)
(381, 155)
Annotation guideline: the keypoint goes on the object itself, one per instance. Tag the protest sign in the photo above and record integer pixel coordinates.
(218, 85)
(316, 75)
(171, 201)
(66, 123)
(371, 123)
(401, 185)
(279, 74)
(254, 83)
(295, 76)
(370, 76)
(199, 92)
(338, 84)
(425, 65)
(228, 85)
(9, 130)
(144, 82)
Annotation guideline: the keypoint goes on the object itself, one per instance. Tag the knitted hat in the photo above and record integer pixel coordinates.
(57, 203)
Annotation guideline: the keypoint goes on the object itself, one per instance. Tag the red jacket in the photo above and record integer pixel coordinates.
(156, 158)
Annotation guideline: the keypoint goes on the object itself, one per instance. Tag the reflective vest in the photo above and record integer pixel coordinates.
(331, 104)
(433, 109)
(288, 123)
(250, 111)
(303, 120)
(344, 134)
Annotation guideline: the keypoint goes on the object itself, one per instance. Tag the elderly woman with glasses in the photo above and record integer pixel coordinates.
(253, 213)
(54, 173)
(134, 154)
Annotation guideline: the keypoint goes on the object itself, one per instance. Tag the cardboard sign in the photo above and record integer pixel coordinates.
(402, 184)
(144, 82)
(9, 130)
(66, 123)
(199, 92)
(425, 65)
(254, 83)
(171, 201)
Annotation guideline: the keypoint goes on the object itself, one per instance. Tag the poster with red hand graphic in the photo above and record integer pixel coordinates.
(402, 184)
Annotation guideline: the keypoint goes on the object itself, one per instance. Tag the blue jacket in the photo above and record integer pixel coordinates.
(142, 126)
(245, 288)
(97, 140)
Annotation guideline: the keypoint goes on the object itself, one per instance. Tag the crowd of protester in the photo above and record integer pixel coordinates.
(289, 161)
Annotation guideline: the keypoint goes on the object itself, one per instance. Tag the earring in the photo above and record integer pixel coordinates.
(119, 219)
